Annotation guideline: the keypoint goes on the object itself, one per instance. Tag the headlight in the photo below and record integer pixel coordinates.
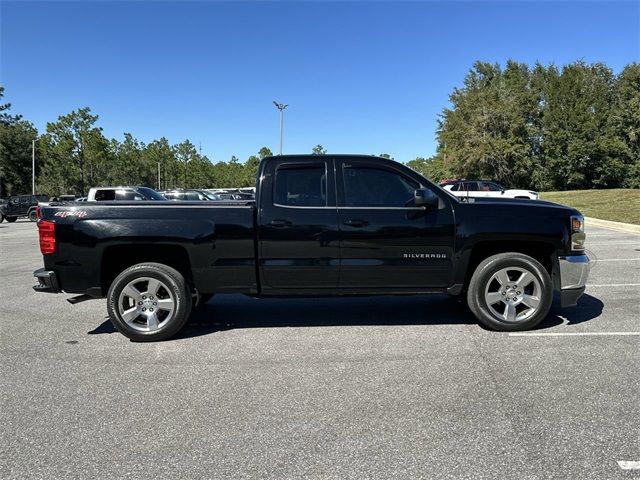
(577, 232)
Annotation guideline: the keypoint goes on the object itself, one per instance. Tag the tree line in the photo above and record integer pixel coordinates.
(541, 127)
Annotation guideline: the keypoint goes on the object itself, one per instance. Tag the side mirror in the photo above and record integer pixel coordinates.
(425, 198)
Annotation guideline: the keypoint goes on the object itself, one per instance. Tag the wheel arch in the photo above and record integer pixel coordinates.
(117, 258)
(543, 252)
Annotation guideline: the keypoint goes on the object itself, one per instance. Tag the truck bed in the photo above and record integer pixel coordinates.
(94, 241)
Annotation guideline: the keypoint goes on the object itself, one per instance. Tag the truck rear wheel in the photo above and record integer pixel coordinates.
(149, 302)
(510, 292)
(33, 216)
(11, 219)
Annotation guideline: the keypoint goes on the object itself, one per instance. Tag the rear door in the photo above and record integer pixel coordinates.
(25, 203)
(387, 242)
(298, 225)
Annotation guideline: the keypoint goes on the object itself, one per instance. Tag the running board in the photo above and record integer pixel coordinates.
(80, 298)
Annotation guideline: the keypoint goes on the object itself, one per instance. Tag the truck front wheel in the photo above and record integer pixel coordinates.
(149, 302)
(510, 292)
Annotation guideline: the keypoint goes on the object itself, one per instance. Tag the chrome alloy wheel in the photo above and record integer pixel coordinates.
(513, 294)
(146, 304)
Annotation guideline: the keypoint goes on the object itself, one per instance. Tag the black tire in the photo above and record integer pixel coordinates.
(1, 218)
(33, 216)
(480, 284)
(176, 286)
(11, 219)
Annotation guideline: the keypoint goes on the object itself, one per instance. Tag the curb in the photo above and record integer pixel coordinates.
(619, 226)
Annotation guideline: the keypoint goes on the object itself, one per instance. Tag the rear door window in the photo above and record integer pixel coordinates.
(128, 195)
(301, 185)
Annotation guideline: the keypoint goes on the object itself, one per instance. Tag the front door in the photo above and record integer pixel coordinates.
(298, 225)
(387, 243)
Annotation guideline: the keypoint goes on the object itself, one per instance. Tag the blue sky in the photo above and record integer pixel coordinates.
(366, 77)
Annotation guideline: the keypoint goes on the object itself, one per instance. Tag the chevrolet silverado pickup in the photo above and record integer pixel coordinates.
(319, 225)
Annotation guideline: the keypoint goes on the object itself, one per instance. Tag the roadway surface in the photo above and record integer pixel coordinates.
(387, 387)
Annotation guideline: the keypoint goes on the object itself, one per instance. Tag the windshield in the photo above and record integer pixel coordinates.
(210, 196)
(151, 194)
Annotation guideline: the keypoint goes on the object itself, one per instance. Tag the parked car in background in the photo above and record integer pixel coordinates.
(102, 194)
(66, 198)
(18, 206)
(487, 188)
(190, 194)
(234, 193)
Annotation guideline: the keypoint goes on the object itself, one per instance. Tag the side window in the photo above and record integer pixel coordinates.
(490, 187)
(15, 200)
(455, 187)
(376, 187)
(471, 186)
(104, 195)
(301, 186)
(128, 195)
(191, 196)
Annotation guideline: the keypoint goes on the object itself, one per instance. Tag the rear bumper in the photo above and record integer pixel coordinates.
(47, 281)
(574, 271)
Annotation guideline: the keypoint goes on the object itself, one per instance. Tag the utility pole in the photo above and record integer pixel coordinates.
(281, 107)
(33, 167)
(158, 175)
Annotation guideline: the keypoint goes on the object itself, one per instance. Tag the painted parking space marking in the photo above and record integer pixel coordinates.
(618, 260)
(629, 465)
(614, 285)
(589, 244)
(575, 334)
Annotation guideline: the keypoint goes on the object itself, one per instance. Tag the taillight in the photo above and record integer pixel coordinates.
(47, 232)
(38, 215)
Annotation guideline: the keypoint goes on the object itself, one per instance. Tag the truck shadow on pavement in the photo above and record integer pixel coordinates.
(226, 312)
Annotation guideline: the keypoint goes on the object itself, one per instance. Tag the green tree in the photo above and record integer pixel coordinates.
(491, 129)
(71, 147)
(433, 168)
(319, 150)
(159, 153)
(185, 152)
(626, 121)
(581, 147)
(5, 117)
(15, 157)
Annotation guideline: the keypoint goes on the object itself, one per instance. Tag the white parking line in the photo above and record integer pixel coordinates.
(575, 334)
(614, 285)
(589, 244)
(628, 465)
(618, 260)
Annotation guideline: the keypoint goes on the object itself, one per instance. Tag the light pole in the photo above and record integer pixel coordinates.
(33, 167)
(281, 107)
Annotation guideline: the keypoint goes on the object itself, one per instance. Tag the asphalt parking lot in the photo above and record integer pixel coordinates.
(386, 387)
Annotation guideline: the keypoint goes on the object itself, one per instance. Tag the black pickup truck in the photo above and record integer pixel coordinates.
(320, 225)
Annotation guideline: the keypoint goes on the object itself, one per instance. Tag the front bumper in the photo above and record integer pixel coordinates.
(47, 281)
(574, 270)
